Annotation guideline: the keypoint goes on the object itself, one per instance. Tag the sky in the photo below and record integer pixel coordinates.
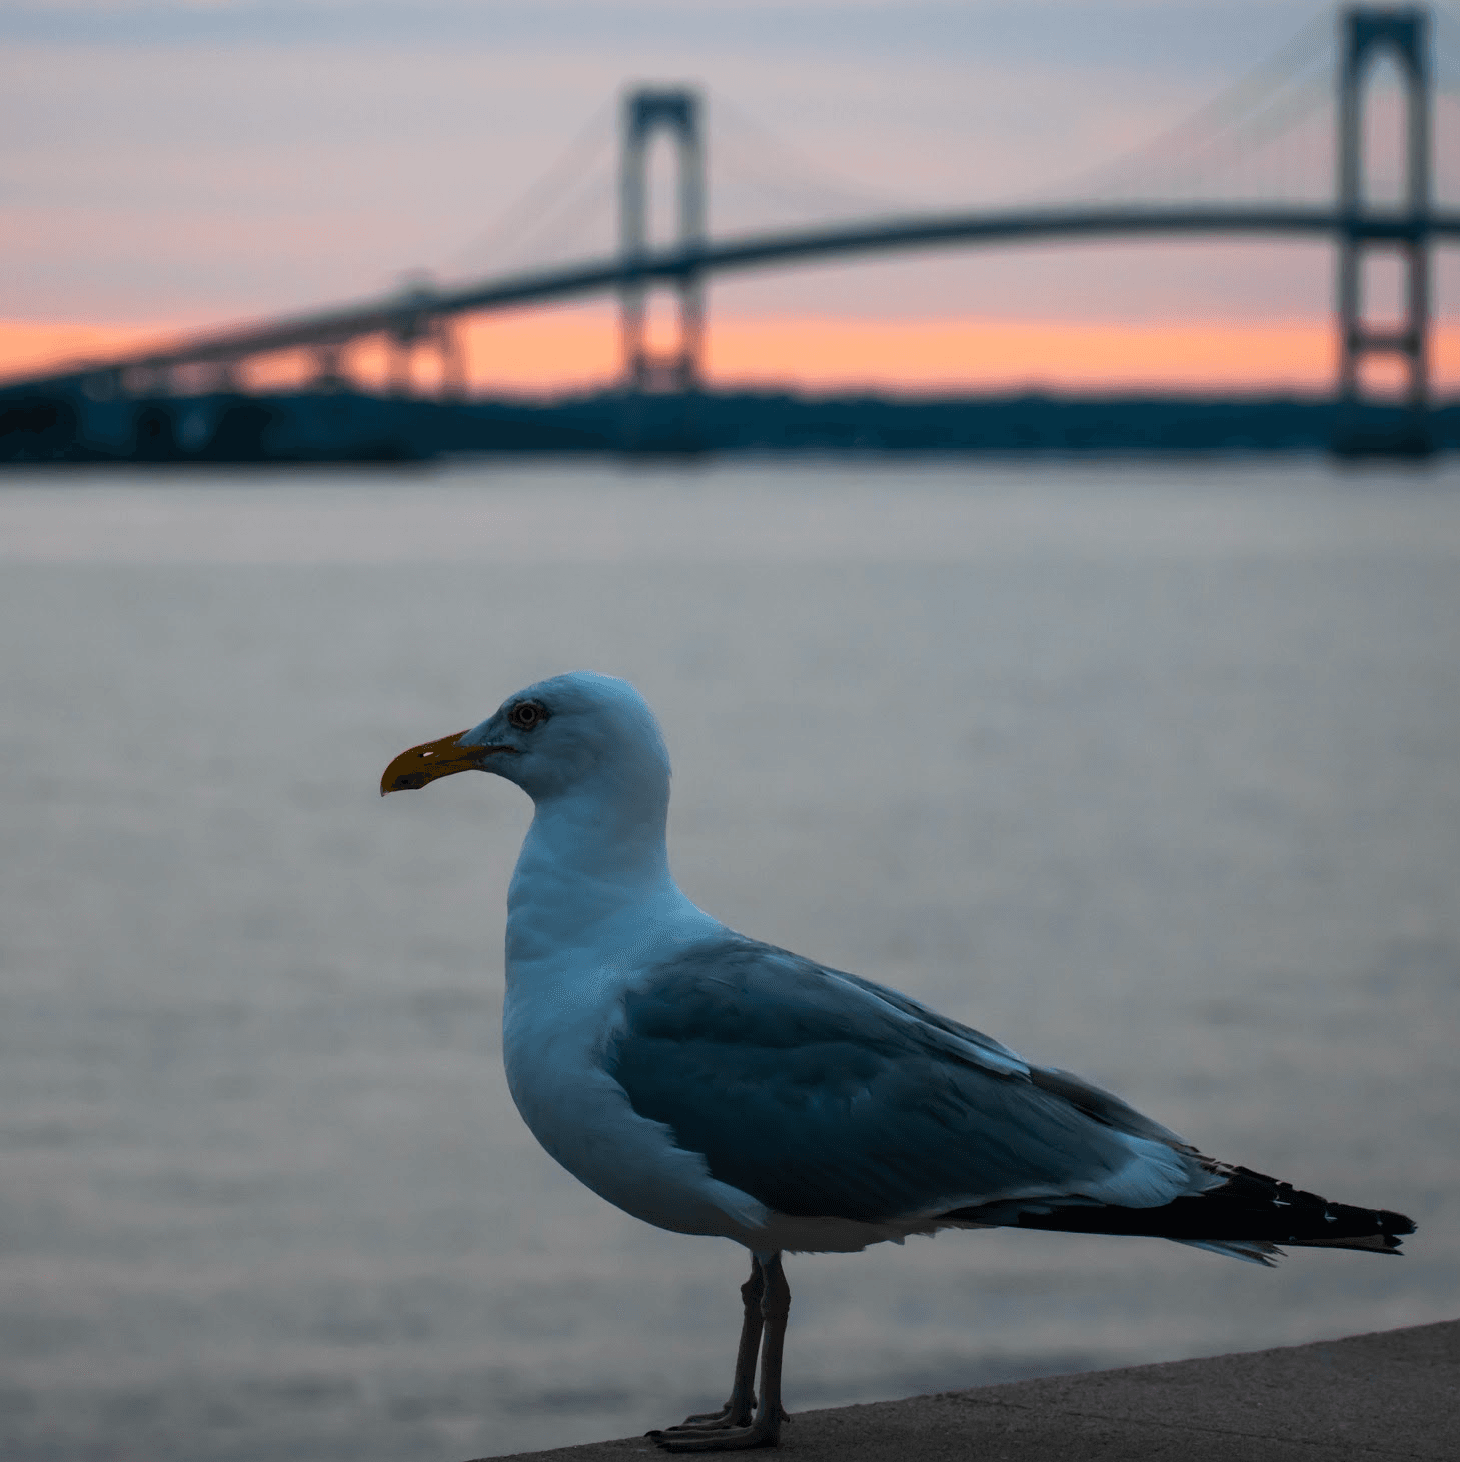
(188, 162)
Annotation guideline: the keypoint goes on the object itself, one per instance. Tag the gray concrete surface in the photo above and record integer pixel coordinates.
(1395, 1394)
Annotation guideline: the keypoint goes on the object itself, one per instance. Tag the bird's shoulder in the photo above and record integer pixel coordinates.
(733, 991)
(729, 1003)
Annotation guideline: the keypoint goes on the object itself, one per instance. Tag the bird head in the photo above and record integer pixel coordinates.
(556, 737)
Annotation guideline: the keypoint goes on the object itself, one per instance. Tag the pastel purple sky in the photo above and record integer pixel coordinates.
(182, 160)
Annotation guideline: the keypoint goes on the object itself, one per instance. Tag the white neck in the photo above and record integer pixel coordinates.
(592, 857)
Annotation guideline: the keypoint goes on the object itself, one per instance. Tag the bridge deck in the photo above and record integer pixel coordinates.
(396, 313)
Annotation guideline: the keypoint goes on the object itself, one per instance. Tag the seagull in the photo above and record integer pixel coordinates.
(708, 1083)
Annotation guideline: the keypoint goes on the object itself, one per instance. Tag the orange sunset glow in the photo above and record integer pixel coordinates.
(549, 352)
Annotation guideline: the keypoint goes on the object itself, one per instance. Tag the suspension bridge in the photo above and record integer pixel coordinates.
(426, 315)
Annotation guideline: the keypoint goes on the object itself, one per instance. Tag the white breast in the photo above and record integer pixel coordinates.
(562, 1009)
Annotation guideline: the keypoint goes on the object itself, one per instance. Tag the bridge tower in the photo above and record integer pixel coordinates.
(646, 112)
(1367, 33)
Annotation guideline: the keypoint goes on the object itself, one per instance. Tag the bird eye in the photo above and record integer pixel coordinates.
(527, 714)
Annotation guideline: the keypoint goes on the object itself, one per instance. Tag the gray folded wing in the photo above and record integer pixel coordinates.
(822, 1094)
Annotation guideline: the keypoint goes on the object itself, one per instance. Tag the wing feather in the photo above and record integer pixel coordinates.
(824, 1095)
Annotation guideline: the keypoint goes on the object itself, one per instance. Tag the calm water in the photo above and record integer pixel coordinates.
(1151, 771)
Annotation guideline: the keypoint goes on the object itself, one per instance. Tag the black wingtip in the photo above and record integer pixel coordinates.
(1369, 1243)
(1396, 1225)
(1246, 1208)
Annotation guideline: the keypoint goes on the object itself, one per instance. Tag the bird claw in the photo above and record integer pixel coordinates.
(718, 1439)
(720, 1431)
(731, 1414)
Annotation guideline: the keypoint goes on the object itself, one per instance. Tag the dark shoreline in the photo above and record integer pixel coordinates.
(345, 427)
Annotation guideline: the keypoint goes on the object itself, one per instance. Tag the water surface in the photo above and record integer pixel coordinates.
(1153, 772)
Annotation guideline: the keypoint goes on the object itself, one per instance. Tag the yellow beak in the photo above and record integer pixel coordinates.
(433, 759)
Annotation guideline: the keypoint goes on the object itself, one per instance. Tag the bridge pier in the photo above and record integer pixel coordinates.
(439, 333)
(329, 367)
(145, 380)
(1367, 33)
(446, 337)
(229, 378)
(398, 347)
(647, 112)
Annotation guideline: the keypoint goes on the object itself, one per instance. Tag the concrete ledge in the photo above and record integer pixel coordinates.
(1394, 1394)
